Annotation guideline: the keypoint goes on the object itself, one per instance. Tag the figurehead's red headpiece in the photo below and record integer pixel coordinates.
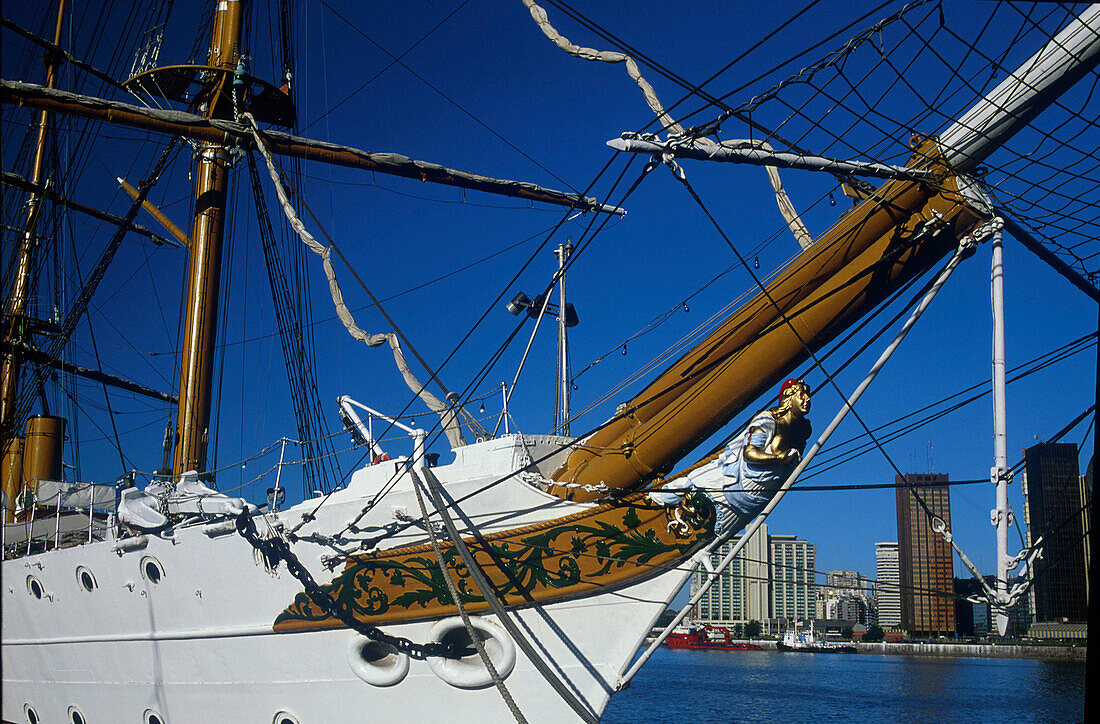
(789, 383)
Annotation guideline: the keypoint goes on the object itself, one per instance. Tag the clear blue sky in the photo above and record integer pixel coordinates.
(444, 255)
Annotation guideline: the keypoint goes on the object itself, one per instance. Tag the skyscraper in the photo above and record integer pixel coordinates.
(887, 592)
(793, 584)
(772, 577)
(742, 593)
(924, 557)
(1054, 510)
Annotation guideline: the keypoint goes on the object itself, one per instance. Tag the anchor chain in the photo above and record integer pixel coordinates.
(276, 549)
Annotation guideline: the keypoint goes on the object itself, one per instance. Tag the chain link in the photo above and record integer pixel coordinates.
(275, 549)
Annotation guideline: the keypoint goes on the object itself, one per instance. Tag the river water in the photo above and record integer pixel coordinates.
(768, 686)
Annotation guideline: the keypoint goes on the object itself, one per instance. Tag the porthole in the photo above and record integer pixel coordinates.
(284, 717)
(85, 578)
(31, 714)
(151, 717)
(75, 716)
(151, 570)
(34, 587)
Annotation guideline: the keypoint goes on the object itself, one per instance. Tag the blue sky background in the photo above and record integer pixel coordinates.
(440, 256)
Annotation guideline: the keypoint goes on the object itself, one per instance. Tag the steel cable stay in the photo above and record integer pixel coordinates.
(436, 492)
(352, 526)
(845, 458)
(812, 471)
(475, 637)
(839, 459)
(483, 585)
(302, 378)
(80, 305)
(807, 489)
(868, 432)
(690, 87)
(931, 106)
(838, 345)
(396, 60)
(720, 572)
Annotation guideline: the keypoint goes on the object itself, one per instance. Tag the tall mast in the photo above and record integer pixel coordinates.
(16, 309)
(200, 317)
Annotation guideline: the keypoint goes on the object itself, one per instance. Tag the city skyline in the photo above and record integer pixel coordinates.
(921, 594)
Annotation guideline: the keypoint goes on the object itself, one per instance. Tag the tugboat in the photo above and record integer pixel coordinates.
(707, 637)
(813, 643)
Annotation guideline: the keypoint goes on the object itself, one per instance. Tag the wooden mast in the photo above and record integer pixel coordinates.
(200, 317)
(15, 327)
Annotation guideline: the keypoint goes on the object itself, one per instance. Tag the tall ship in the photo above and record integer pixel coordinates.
(330, 506)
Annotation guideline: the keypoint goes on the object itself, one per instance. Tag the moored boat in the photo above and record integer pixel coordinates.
(717, 638)
(811, 642)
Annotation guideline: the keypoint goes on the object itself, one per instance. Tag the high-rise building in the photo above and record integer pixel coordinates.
(924, 557)
(742, 594)
(845, 596)
(887, 591)
(793, 583)
(1054, 509)
(771, 577)
(839, 581)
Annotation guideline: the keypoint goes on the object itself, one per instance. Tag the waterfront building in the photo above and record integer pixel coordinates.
(925, 559)
(742, 593)
(844, 596)
(887, 596)
(771, 578)
(793, 590)
(1054, 509)
(852, 581)
(846, 607)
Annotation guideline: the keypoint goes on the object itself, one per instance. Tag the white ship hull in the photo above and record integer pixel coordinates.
(198, 644)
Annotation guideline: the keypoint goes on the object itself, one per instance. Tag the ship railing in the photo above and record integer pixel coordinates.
(60, 514)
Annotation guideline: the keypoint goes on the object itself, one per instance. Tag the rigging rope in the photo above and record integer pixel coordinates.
(445, 411)
(471, 566)
(786, 208)
(302, 379)
(435, 490)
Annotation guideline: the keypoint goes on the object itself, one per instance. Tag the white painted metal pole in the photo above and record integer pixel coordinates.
(1000, 427)
(840, 415)
(279, 472)
(420, 460)
(523, 361)
(562, 417)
